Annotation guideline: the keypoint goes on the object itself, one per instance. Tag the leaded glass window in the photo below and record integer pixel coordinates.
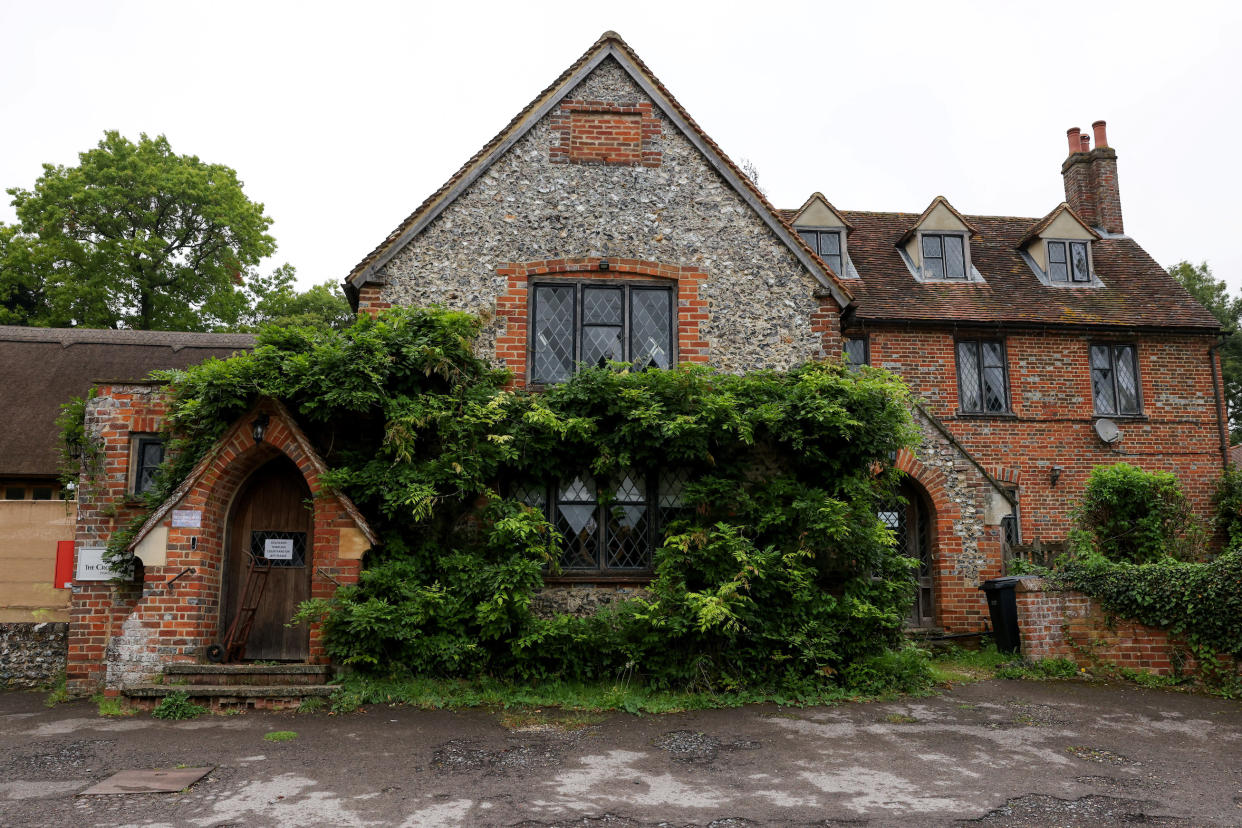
(982, 380)
(1115, 380)
(827, 244)
(608, 535)
(148, 457)
(856, 353)
(944, 256)
(1068, 261)
(591, 324)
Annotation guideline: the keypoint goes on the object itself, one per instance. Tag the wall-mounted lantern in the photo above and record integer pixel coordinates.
(258, 427)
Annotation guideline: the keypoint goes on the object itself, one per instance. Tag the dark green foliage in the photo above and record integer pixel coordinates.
(1200, 601)
(134, 236)
(777, 574)
(177, 707)
(1228, 503)
(1128, 514)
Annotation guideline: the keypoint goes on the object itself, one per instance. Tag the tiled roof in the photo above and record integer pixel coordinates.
(1042, 225)
(523, 120)
(1136, 290)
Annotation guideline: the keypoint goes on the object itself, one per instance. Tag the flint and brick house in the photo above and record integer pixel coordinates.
(603, 223)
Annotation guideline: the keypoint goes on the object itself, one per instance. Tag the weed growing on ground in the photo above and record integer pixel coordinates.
(312, 704)
(280, 736)
(113, 707)
(1045, 668)
(177, 706)
(57, 691)
(957, 665)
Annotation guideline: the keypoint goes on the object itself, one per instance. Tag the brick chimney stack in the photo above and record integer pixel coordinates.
(1091, 179)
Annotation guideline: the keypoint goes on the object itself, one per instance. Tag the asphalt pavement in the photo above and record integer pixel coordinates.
(995, 753)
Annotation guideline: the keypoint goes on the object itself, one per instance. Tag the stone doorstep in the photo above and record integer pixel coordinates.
(237, 675)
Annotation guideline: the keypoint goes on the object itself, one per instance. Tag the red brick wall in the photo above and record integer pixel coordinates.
(595, 132)
(120, 635)
(1066, 624)
(1053, 414)
(370, 301)
(512, 340)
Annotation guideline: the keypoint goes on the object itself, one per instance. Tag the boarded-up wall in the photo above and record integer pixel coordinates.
(29, 531)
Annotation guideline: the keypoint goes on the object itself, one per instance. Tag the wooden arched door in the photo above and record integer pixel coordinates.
(910, 520)
(272, 522)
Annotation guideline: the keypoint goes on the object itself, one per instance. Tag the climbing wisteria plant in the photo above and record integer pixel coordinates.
(775, 573)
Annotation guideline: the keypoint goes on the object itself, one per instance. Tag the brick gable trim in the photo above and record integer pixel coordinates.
(235, 444)
(513, 311)
(610, 45)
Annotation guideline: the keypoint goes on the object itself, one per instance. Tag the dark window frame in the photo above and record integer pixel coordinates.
(941, 235)
(1067, 246)
(982, 411)
(1113, 348)
(139, 443)
(658, 515)
(627, 286)
(866, 351)
(816, 233)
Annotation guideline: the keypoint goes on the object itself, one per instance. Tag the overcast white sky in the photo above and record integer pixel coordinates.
(342, 117)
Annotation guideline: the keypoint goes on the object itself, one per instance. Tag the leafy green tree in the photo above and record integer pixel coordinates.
(134, 236)
(1214, 294)
(273, 299)
(1129, 514)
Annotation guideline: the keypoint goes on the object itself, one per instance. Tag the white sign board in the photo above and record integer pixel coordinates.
(91, 566)
(187, 518)
(278, 549)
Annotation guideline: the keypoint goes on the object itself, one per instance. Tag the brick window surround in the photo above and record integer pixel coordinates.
(598, 132)
(512, 307)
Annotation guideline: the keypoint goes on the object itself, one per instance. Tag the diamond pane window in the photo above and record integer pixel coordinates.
(944, 256)
(1115, 380)
(1078, 256)
(827, 244)
(629, 542)
(650, 328)
(577, 323)
(856, 354)
(983, 383)
(553, 333)
(1058, 266)
(576, 520)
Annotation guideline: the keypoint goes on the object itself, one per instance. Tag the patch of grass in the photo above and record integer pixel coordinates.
(280, 736)
(177, 706)
(957, 665)
(1045, 668)
(113, 707)
(312, 704)
(566, 697)
(57, 691)
(1145, 679)
(900, 718)
(539, 718)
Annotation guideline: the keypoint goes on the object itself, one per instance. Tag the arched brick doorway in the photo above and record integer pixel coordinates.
(270, 524)
(912, 520)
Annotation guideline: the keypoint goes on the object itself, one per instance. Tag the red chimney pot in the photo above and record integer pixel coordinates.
(1101, 140)
(1086, 143)
(1073, 134)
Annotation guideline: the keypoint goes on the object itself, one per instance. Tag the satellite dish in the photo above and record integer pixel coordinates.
(1107, 430)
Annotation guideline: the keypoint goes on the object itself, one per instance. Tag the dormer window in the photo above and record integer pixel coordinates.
(1068, 261)
(827, 244)
(944, 256)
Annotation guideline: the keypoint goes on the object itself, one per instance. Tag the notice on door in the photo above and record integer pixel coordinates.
(278, 549)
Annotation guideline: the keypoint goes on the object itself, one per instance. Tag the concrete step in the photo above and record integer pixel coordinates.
(234, 675)
(231, 697)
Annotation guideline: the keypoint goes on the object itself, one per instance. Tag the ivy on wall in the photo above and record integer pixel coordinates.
(777, 571)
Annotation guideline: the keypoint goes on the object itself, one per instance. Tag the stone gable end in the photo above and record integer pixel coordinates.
(753, 304)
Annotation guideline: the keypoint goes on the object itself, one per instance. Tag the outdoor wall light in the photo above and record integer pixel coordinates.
(258, 427)
(603, 264)
(1056, 474)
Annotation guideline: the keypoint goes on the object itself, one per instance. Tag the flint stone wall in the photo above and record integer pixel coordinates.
(525, 208)
(580, 600)
(32, 655)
